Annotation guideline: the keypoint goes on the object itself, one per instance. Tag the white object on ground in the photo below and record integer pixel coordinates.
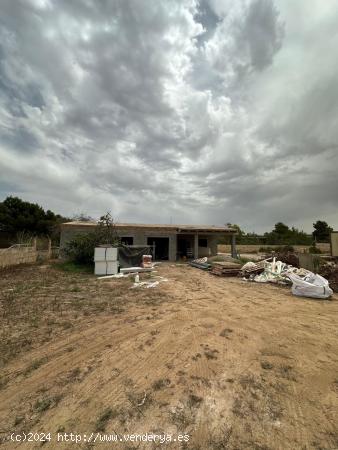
(201, 260)
(249, 265)
(137, 278)
(117, 275)
(161, 278)
(304, 282)
(135, 269)
(145, 284)
(106, 267)
(312, 285)
(274, 272)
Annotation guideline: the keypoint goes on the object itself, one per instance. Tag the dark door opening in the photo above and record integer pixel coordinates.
(127, 240)
(185, 246)
(161, 247)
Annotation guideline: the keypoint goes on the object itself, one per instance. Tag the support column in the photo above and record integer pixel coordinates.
(49, 252)
(233, 246)
(196, 246)
(173, 247)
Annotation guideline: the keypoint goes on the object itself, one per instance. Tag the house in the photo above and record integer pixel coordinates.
(170, 242)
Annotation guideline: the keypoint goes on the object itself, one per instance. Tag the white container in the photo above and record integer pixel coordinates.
(106, 267)
(105, 254)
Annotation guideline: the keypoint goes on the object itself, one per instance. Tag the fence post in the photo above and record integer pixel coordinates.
(49, 253)
(34, 243)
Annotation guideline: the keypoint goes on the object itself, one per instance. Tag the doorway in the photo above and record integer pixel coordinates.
(185, 246)
(161, 247)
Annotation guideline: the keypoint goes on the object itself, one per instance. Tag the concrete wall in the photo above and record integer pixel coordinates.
(324, 248)
(15, 255)
(140, 238)
(212, 243)
(69, 233)
(334, 243)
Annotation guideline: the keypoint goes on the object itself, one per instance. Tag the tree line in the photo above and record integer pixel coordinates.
(18, 216)
(282, 234)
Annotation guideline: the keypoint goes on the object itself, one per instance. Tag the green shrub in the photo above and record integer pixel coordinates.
(313, 249)
(81, 248)
(279, 249)
(286, 249)
(266, 249)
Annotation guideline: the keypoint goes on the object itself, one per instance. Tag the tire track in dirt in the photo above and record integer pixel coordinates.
(134, 369)
(199, 306)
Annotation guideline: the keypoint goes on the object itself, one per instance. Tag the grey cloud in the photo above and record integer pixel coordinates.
(20, 140)
(263, 32)
(185, 109)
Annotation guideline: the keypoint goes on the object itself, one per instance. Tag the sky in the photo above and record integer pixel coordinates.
(172, 111)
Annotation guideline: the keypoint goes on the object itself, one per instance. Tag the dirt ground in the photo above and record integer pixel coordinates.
(231, 364)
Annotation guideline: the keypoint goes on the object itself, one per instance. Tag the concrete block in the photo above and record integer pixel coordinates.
(106, 267)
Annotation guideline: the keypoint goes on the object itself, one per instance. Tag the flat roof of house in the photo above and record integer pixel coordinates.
(171, 227)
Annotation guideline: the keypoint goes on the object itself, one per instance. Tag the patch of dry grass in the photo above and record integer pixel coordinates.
(36, 306)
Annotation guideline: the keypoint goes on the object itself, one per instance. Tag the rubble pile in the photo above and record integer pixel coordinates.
(330, 272)
(304, 282)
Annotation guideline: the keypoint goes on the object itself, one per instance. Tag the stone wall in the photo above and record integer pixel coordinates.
(17, 254)
(324, 248)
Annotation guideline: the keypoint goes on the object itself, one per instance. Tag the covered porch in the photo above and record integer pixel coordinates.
(195, 245)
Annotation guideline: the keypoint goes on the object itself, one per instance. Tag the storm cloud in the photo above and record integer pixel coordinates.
(209, 111)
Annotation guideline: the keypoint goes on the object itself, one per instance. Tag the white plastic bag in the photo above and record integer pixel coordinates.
(312, 285)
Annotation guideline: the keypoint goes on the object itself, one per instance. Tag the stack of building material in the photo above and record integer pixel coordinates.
(106, 262)
(136, 269)
(251, 269)
(201, 263)
(147, 261)
(225, 269)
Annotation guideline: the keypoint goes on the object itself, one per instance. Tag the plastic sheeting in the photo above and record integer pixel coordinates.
(273, 272)
(304, 282)
(312, 285)
(130, 256)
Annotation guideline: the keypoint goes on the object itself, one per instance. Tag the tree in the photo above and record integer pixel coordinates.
(17, 216)
(283, 235)
(236, 227)
(281, 229)
(81, 248)
(83, 217)
(321, 231)
(227, 239)
(106, 231)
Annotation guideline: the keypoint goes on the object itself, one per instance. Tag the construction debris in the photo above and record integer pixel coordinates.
(148, 284)
(147, 261)
(117, 275)
(136, 269)
(225, 269)
(330, 272)
(304, 282)
(250, 269)
(201, 263)
(145, 284)
(274, 272)
(311, 285)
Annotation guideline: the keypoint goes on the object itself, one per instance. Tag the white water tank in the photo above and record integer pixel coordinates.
(105, 254)
(106, 262)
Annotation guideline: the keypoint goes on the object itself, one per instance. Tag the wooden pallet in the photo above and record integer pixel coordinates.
(225, 271)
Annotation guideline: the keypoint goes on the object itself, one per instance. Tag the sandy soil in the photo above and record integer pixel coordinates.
(231, 364)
